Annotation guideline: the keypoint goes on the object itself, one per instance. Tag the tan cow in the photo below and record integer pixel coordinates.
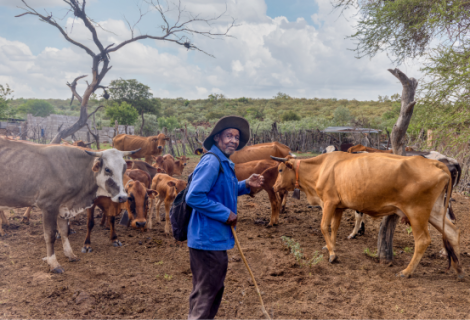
(378, 185)
(261, 151)
(149, 146)
(361, 148)
(168, 164)
(167, 188)
(268, 169)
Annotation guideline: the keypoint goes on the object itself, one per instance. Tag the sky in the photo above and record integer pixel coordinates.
(298, 47)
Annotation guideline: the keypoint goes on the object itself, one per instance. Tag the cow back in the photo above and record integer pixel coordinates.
(262, 151)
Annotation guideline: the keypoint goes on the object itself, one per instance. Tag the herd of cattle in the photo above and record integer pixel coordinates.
(65, 180)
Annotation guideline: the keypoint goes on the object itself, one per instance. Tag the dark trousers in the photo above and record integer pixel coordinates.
(209, 269)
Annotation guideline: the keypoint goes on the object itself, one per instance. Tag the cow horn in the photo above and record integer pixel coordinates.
(128, 153)
(279, 159)
(292, 155)
(94, 154)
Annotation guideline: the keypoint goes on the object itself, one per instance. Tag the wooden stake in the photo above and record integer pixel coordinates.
(251, 273)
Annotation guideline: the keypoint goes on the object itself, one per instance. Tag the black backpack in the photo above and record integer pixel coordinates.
(180, 211)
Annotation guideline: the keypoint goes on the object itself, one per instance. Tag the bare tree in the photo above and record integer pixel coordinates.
(388, 224)
(177, 32)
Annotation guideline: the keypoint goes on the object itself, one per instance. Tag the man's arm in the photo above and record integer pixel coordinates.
(254, 181)
(204, 178)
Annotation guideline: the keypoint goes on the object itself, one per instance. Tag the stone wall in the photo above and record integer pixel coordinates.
(39, 128)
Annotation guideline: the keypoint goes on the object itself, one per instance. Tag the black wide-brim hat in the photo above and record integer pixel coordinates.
(230, 122)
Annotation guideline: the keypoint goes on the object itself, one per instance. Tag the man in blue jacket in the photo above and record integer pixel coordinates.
(213, 196)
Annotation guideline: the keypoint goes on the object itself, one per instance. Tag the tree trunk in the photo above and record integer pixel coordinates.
(142, 126)
(388, 224)
(116, 128)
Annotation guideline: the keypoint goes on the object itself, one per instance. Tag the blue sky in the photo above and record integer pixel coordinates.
(298, 47)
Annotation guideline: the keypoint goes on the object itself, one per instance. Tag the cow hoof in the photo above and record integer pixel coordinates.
(58, 270)
(332, 259)
(269, 226)
(352, 236)
(86, 250)
(25, 220)
(74, 259)
(402, 275)
(325, 248)
(57, 236)
(71, 231)
(117, 243)
(461, 277)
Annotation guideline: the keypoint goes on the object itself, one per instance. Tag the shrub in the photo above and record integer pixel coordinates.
(290, 116)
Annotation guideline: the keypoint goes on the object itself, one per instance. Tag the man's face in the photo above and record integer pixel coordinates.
(228, 140)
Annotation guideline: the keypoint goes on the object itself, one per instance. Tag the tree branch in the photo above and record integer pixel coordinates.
(52, 22)
(73, 87)
(91, 114)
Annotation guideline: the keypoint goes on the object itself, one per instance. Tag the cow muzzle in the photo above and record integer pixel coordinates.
(120, 198)
(160, 147)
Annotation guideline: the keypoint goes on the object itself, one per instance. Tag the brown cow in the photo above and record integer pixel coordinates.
(268, 169)
(149, 146)
(261, 151)
(169, 165)
(144, 166)
(140, 175)
(136, 206)
(361, 148)
(378, 185)
(167, 188)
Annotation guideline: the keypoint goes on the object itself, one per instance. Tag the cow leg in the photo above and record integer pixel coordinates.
(3, 220)
(50, 229)
(283, 196)
(112, 232)
(90, 223)
(63, 225)
(422, 241)
(359, 225)
(167, 216)
(275, 206)
(328, 214)
(335, 222)
(151, 211)
(157, 209)
(26, 216)
(452, 234)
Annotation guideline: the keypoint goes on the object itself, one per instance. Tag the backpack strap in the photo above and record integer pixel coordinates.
(221, 169)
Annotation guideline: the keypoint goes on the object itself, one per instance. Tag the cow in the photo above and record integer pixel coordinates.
(261, 151)
(136, 206)
(361, 148)
(451, 163)
(268, 169)
(77, 143)
(140, 175)
(61, 181)
(169, 165)
(149, 146)
(379, 185)
(167, 188)
(144, 166)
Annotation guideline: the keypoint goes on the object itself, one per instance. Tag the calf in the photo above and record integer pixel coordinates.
(169, 165)
(136, 206)
(268, 169)
(140, 175)
(167, 189)
(144, 166)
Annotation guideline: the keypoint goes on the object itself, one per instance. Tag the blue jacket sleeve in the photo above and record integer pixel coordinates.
(204, 177)
(242, 188)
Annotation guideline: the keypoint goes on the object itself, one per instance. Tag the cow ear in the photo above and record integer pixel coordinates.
(171, 183)
(152, 193)
(289, 165)
(97, 165)
(179, 158)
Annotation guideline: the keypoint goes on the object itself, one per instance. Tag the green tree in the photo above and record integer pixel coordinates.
(37, 108)
(123, 112)
(5, 110)
(342, 116)
(170, 123)
(137, 95)
(290, 116)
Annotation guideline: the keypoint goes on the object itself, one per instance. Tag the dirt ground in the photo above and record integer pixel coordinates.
(149, 276)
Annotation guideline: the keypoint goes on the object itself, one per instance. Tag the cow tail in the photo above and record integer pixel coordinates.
(450, 250)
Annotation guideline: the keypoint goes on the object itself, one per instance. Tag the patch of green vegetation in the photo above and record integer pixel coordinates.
(297, 251)
(371, 254)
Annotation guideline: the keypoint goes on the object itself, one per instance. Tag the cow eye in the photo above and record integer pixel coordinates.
(107, 170)
(280, 170)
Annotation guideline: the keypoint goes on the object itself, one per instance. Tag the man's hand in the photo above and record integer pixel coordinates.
(232, 219)
(254, 181)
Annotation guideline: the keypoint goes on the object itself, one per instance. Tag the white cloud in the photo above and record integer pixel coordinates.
(265, 57)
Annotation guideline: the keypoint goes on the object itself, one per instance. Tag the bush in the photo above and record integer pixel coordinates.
(124, 113)
(290, 116)
(38, 108)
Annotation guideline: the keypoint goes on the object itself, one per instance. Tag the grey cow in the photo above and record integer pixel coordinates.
(61, 181)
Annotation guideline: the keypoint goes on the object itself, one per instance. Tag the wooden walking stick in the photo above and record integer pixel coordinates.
(251, 273)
